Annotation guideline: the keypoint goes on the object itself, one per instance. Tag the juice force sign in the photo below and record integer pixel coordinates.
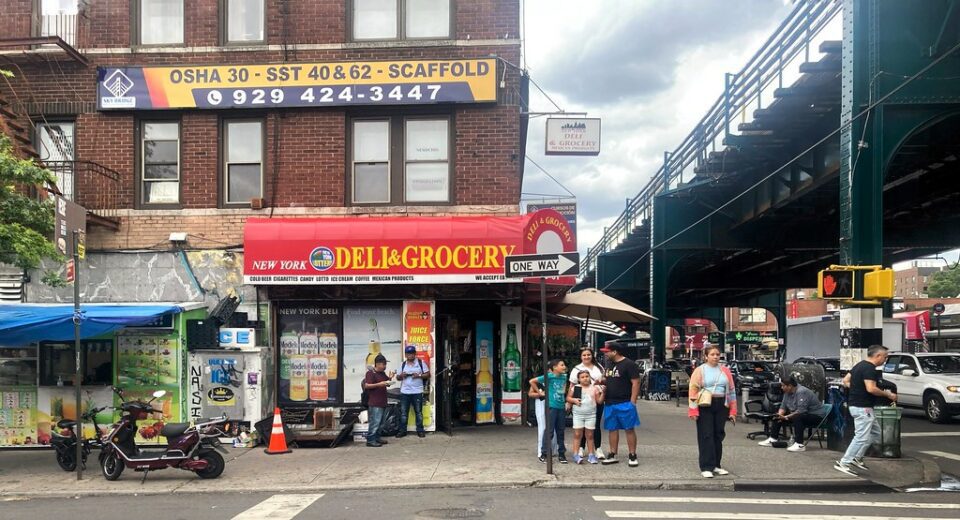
(396, 250)
(297, 85)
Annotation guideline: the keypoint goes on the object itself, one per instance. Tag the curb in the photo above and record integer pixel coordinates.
(811, 486)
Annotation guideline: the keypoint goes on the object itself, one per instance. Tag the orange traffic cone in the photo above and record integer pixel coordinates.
(278, 441)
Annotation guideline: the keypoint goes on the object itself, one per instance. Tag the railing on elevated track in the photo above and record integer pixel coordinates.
(773, 66)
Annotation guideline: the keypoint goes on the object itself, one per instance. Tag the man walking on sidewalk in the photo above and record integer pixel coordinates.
(620, 408)
(862, 382)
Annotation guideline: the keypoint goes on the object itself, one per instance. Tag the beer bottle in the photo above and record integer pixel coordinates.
(511, 361)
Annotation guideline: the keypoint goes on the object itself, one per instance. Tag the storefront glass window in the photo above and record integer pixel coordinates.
(18, 366)
(58, 365)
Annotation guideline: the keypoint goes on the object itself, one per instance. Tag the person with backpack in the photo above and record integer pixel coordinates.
(375, 385)
(412, 376)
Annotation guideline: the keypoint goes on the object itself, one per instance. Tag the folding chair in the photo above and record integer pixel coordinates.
(825, 410)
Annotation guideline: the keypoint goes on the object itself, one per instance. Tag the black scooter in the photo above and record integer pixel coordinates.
(64, 441)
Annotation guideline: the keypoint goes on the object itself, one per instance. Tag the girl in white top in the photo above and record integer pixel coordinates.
(587, 364)
(584, 397)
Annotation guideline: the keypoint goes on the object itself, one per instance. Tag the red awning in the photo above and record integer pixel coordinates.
(379, 250)
(918, 323)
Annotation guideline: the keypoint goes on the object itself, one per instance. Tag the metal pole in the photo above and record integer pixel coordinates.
(546, 372)
(77, 378)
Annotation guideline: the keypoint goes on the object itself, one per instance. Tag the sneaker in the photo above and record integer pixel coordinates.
(374, 444)
(796, 447)
(599, 453)
(542, 459)
(706, 474)
(562, 459)
(592, 459)
(843, 468)
(383, 441)
(401, 435)
(768, 442)
(859, 463)
(577, 459)
(580, 452)
(632, 460)
(421, 434)
(720, 471)
(611, 459)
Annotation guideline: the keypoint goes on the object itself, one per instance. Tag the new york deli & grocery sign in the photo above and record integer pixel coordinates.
(396, 250)
(297, 84)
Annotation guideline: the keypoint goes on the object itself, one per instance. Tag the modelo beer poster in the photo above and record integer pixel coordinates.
(309, 357)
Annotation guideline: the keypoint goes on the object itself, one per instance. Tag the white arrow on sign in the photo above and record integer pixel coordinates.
(553, 264)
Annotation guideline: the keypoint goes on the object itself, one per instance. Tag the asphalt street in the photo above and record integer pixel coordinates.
(512, 504)
(938, 441)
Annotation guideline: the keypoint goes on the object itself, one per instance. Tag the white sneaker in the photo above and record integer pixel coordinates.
(580, 452)
(796, 447)
(720, 471)
(768, 442)
(706, 474)
(599, 454)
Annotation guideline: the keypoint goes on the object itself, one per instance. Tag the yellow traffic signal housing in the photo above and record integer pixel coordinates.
(878, 285)
(836, 284)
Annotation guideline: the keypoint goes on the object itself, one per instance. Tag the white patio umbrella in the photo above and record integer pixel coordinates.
(593, 304)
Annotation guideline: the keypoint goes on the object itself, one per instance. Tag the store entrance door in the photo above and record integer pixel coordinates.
(445, 379)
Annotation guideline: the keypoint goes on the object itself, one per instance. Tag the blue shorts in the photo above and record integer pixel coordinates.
(621, 416)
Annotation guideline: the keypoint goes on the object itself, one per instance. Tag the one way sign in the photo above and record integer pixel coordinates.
(549, 265)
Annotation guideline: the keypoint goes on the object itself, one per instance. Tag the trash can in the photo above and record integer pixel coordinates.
(888, 417)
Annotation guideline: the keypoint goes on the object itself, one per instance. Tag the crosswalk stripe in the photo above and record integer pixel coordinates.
(942, 454)
(279, 507)
(930, 434)
(774, 501)
(701, 515)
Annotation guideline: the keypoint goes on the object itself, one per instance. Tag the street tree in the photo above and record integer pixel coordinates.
(945, 284)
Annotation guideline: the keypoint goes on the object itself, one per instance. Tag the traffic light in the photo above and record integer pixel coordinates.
(836, 284)
(878, 285)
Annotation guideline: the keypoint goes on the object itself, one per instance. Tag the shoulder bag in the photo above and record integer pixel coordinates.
(705, 397)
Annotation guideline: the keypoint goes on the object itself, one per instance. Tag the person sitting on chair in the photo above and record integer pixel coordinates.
(800, 406)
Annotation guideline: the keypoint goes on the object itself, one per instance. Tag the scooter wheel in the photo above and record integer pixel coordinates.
(111, 466)
(66, 462)
(215, 465)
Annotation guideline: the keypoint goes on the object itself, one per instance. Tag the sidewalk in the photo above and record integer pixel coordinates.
(483, 457)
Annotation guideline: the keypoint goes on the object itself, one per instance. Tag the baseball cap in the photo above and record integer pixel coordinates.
(610, 347)
(410, 349)
(379, 359)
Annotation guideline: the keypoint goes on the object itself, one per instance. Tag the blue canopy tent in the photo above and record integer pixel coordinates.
(23, 324)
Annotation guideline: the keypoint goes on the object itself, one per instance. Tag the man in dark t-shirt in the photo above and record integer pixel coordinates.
(620, 402)
(862, 397)
(375, 382)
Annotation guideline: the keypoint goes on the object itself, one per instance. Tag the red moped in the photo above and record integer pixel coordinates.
(189, 447)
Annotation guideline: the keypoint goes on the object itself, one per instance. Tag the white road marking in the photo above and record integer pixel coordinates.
(930, 434)
(279, 507)
(774, 501)
(943, 454)
(700, 515)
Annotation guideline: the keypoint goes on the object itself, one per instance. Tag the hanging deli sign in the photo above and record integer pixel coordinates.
(572, 136)
(297, 85)
(395, 250)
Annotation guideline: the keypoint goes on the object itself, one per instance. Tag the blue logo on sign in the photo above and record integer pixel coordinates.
(321, 258)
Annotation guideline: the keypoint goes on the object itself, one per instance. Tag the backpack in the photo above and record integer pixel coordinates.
(364, 395)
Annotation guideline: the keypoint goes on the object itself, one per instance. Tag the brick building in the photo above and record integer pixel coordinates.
(912, 280)
(310, 157)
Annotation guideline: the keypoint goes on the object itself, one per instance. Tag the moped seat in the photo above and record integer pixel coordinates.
(171, 430)
(66, 423)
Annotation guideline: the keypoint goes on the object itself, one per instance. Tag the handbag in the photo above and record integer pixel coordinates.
(705, 398)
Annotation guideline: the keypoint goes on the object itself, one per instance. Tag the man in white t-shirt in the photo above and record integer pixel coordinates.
(412, 374)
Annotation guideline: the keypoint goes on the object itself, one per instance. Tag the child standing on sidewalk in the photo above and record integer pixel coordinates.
(584, 396)
(556, 386)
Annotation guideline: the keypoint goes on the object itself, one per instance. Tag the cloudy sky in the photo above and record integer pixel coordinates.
(649, 68)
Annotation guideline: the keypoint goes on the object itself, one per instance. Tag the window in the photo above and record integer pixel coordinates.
(244, 21)
(400, 19)
(58, 363)
(753, 315)
(243, 161)
(160, 22)
(59, 18)
(54, 143)
(161, 162)
(418, 169)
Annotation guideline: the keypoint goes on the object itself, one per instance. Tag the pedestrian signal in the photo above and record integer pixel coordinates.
(836, 284)
(878, 285)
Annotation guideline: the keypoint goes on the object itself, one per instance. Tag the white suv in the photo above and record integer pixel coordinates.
(927, 380)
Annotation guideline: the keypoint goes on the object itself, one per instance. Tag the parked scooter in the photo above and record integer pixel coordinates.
(192, 448)
(64, 441)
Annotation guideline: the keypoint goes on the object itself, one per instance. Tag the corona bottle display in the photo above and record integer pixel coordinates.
(484, 385)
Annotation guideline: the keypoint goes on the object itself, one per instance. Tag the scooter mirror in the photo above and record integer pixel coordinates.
(159, 393)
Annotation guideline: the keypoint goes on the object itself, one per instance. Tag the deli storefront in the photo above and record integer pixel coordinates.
(342, 290)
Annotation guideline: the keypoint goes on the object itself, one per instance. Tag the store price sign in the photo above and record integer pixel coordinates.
(297, 85)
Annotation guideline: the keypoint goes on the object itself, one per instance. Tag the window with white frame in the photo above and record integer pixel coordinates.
(416, 172)
(243, 161)
(244, 20)
(401, 19)
(55, 148)
(160, 168)
(160, 22)
(753, 315)
(59, 18)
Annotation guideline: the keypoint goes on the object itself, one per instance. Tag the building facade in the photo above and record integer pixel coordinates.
(379, 145)
(913, 281)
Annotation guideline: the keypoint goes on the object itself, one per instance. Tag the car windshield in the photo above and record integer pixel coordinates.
(947, 364)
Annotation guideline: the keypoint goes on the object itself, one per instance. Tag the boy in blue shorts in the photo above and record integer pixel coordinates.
(620, 408)
(556, 406)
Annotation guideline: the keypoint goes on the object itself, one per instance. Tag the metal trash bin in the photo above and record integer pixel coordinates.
(888, 417)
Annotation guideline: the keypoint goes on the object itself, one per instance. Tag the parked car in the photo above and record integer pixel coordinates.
(755, 375)
(926, 380)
